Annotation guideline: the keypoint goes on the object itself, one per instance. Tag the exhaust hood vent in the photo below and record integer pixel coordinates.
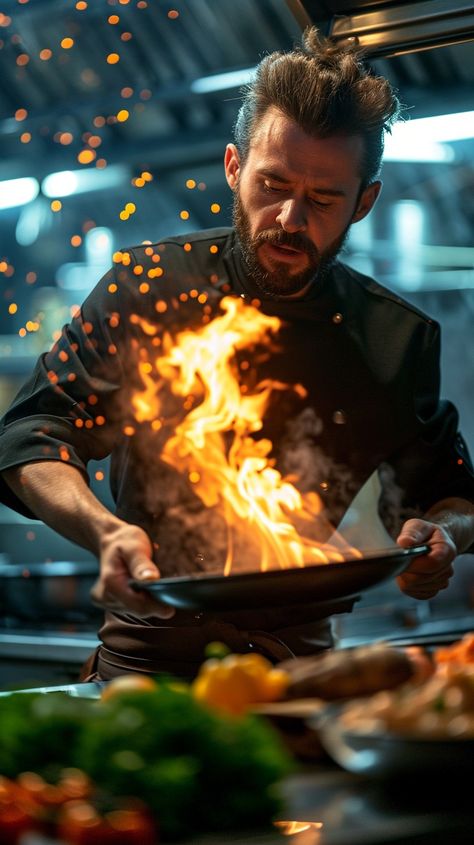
(389, 29)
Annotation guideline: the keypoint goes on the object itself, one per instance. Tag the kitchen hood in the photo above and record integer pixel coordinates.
(385, 28)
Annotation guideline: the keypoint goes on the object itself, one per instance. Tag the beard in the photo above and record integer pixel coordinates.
(279, 281)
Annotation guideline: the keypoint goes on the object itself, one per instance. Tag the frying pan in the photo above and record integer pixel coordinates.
(315, 584)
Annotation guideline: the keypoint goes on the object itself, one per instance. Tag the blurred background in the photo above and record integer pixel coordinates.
(114, 115)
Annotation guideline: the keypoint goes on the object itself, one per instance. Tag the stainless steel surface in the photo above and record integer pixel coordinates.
(392, 28)
(426, 633)
(55, 591)
(56, 569)
(46, 646)
(91, 690)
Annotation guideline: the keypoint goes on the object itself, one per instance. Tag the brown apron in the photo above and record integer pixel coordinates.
(148, 646)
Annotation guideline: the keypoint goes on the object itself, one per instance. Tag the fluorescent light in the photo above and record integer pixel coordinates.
(68, 182)
(99, 245)
(220, 81)
(409, 221)
(79, 276)
(61, 184)
(423, 139)
(15, 192)
(439, 128)
(414, 149)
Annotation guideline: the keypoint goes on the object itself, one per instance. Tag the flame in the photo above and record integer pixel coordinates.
(146, 403)
(302, 832)
(213, 445)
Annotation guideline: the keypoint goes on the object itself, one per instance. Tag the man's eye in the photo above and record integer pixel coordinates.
(273, 189)
(320, 203)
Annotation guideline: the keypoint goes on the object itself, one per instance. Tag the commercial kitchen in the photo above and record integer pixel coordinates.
(115, 115)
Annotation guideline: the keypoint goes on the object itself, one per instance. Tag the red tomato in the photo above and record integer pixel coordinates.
(80, 824)
(14, 821)
(74, 783)
(133, 827)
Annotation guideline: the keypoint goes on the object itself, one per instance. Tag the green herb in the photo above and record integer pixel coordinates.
(196, 770)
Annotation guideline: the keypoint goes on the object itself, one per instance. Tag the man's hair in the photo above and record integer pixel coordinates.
(327, 90)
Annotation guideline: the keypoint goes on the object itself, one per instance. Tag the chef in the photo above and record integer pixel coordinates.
(303, 168)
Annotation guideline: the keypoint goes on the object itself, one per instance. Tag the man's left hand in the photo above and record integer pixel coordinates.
(429, 573)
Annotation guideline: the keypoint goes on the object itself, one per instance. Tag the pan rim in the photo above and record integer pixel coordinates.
(380, 555)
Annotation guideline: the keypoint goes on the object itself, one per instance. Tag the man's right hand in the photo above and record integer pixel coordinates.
(56, 492)
(126, 552)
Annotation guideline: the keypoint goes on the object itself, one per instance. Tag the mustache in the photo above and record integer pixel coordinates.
(294, 240)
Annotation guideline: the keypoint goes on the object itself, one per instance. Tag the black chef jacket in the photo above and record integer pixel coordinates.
(369, 365)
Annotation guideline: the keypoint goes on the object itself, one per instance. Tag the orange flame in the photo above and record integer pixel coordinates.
(241, 480)
(146, 403)
(303, 832)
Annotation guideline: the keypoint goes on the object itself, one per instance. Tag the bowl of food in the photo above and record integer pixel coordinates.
(417, 728)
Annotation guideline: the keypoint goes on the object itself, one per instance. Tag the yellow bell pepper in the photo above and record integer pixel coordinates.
(238, 681)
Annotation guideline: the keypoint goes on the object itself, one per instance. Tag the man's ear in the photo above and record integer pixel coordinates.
(367, 200)
(232, 165)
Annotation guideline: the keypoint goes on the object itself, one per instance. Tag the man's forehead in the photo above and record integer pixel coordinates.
(274, 126)
(280, 145)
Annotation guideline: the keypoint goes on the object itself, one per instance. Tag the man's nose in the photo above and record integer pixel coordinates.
(292, 216)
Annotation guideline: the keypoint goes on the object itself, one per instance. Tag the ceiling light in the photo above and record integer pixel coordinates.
(221, 81)
(14, 192)
(61, 184)
(423, 139)
(439, 128)
(68, 182)
(415, 149)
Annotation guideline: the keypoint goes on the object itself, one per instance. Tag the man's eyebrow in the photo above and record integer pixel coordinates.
(277, 177)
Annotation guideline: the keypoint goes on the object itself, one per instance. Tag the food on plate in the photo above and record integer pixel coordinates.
(295, 689)
(293, 720)
(461, 651)
(346, 673)
(127, 683)
(287, 695)
(440, 708)
(237, 681)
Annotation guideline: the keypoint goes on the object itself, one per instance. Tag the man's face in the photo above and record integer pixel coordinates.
(295, 199)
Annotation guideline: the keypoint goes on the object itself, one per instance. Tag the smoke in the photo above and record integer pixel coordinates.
(366, 513)
(311, 469)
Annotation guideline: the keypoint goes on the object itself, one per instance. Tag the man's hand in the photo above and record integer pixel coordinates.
(57, 493)
(429, 573)
(126, 553)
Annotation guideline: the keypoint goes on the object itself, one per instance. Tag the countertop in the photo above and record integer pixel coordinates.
(335, 807)
(47, 644)
(357, 810)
